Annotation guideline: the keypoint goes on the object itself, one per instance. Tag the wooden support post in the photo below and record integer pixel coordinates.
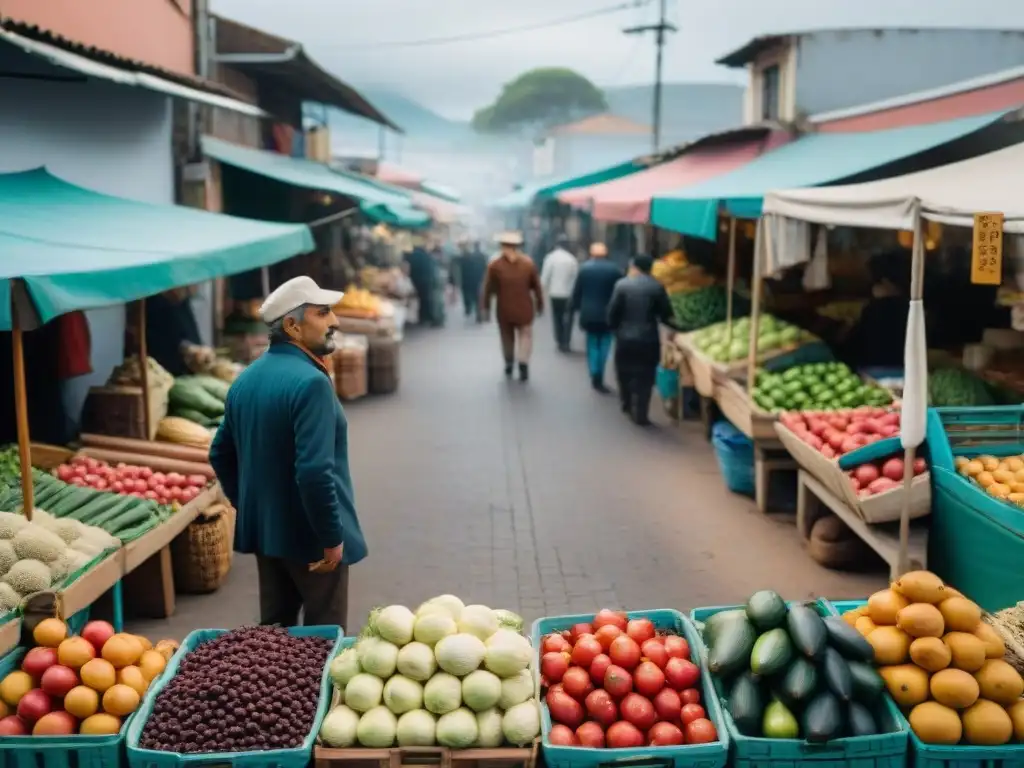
(730, 280)
(147, 426)
(21, 411)
(755, 305)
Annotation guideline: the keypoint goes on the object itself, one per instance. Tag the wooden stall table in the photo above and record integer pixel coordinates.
(811, 495)
(10, 634)
(426, 757)
(66, 603)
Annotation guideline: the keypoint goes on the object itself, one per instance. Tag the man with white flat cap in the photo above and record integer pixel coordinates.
(281, 456)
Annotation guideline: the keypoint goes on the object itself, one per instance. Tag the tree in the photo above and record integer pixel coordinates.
(540, 98)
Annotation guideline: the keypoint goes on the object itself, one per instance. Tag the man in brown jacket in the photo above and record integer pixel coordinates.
(512, 279)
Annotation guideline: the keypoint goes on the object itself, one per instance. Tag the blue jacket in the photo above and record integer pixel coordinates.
(281, 456)
(592, 293)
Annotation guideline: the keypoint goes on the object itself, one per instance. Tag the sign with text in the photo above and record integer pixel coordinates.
(987, 253)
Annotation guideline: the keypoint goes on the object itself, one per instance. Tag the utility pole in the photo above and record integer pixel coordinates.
(661, 29)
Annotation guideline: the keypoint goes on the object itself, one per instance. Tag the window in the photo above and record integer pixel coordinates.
(770, 82)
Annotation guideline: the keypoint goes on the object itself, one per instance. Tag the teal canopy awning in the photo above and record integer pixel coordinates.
(548, 188)
(442, 191)
(78, 249)
(810, 161)
(394, 207)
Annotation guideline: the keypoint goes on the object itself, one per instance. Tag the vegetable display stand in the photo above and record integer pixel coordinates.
(700, 368)
(882, 750)
(295, 757)
(709, 755)
(432, 757)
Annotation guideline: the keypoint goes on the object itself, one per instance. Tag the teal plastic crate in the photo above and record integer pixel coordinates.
(884, 750)
(714, 755)
(995, 430)
(297, 757)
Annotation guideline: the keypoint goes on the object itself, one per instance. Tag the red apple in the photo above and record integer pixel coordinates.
(97, 633)
(33, 705)
(58, 680)
(38, 660)
(12, 725)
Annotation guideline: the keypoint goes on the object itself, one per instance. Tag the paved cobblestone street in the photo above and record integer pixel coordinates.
(541, 498)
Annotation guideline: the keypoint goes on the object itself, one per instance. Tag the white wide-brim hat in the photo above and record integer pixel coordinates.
(510, 238)
(294, 294)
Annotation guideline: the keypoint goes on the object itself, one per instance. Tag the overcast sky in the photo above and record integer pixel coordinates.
(348, 37)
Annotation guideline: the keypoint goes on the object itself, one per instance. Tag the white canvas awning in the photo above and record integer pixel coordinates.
(950, 194)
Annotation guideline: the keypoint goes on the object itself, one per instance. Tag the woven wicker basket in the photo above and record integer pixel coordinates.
(1009, 623)
(202, 555)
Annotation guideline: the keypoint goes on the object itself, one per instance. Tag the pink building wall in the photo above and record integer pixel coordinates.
(157, 32)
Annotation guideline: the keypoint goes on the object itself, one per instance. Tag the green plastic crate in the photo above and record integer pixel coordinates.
(297, 757)
(884, 750)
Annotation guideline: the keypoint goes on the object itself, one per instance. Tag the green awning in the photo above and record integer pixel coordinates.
(813, 160)
(307, 174)
(78, 249)
(548, 188)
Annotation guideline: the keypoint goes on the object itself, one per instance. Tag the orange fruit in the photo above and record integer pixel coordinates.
(152, 663)
(50, 633)
(98, 674)
(75, 652)
(81, 701)
(121, 700)
(132, 677)
(166, 648)
(146, 644)
(14, 686)
(100, 725)
(122, 650)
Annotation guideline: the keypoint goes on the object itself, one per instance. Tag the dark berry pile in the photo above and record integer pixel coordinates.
(254, 688)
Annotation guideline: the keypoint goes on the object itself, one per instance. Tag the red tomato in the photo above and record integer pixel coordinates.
(562, 736)
(78, 461)
(175, 493)
(623, 735)
(137, 494)
(100, 484)
(606, 634)
(564, 708)
(554, 642)
(664, 734)
(151, 495)
(625, 652)
(681, 674)
(77, 481)
(598, 667)
(638, 710)
(140, 485)
(701, 732)
(677, 647)
(607, 617)
(199, 481)
(187, 494)
(668, 704)
(145, 473)
(591, 735)
(654, 650)
(117, 486)
(553, 665)
(91, 463)
(648, 678)
(690, 696)
(579, 629)
(174, 479)
(576, 682)
(640, 630)
(601, 706)
(617, 681)
(585, 651)
(92, 479)
(691, 712)
(65, 472)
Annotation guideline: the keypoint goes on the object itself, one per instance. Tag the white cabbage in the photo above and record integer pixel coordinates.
(395, 624)
(507, 653)
(478, 620)
(402, 695)
(377, 728)
(481, 690)
(457, 729)
(460, 654)
(416, 661)
(339, 727)
(416, 729)
(442, 693)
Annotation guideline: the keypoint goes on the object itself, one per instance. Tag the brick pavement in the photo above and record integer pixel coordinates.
(539, 498)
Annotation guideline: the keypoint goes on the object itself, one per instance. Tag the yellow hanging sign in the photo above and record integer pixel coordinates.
(987, 253)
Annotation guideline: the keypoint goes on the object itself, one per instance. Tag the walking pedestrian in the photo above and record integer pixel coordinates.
(512, 280)
(557, 278)
(423, 272)
(639, 303)
(591, 297)
(281, 456)
(472, 268)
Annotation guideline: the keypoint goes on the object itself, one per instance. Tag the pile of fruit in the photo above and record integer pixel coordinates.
(678, 275)
(692, 310)
(773, 335)
(874, 477)
(834, 433)
(787, 672)
(83, 684)
(449, 674)
(358, 302)
(1001, 478)
(254, 688)
(618, 683)
(42, 554)
(941, 663)
(817, 386)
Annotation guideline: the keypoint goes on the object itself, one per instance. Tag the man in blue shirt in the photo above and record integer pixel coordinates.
(281, 456)
(591, 295)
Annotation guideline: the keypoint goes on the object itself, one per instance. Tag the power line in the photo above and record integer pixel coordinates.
(660, 29)
(473, 36)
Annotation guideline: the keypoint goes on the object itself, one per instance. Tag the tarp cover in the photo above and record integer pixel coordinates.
(547, 188)
(79, 249)
(950, 193)
(810, 161)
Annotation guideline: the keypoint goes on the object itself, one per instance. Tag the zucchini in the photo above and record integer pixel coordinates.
(799, 683)
(94, 506)
(731, 652)
(114, 511)
(837, 675)
(73, 501)
(847, 640)
(772, 651)
(192, 415)
(746, 704)
(779, 722)
(822, 718)
(43, 494)
(127, 518)
(766, 610)
(719, 620)
(130, 534)
(867, 683)
(807, 630)
(58, 497)
(860, 721)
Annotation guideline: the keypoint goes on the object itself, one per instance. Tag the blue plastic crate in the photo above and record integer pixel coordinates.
(297, 757)
(885, 750)
(667, 381)
(712, 755)
(735, 454)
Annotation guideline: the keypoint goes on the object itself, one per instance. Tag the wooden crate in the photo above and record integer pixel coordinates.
(441, 757)
(118, 411)
(736, 405)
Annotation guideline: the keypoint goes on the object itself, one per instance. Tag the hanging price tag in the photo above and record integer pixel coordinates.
(987, 253)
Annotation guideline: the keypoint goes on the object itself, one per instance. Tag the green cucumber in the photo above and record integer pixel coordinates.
(73, 501)
(847, 640)
(95, 506)
(807, 630)
(837, 676)
(779, 722)
(113, 512)
(56, 498)
(746, 704)
(717, 621)
(43, 494)
(128, 518)
(130, 534)
(860, 721)
(822, 718)
(867, 683)
(730, 653)
(772, 651)
(766, 610)
(799, 683)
